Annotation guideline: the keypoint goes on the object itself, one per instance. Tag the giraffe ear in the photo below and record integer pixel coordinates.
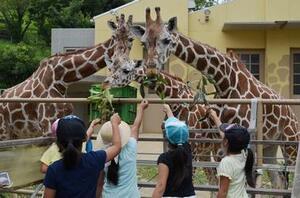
(137, 30)
(172, 24)
(112, 25)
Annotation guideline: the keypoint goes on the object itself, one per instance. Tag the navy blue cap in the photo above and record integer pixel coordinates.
(238, 136)
(70, 128)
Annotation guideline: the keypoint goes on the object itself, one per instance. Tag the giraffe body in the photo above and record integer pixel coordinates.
(233, 80)
(51, 80)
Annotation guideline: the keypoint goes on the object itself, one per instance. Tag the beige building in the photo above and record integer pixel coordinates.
(264, 33)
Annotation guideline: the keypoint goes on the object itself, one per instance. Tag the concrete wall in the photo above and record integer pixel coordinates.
(64, 38)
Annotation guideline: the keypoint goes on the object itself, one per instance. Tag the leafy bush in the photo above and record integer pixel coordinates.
(18, 62)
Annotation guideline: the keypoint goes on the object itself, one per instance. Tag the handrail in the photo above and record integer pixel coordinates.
(152, 100)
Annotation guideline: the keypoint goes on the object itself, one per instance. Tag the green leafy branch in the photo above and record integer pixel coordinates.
(103, 101)
(151, 82)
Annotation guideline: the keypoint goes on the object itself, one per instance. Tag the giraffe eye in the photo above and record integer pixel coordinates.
(166, 41)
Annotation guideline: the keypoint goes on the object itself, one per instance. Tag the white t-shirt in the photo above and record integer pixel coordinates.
(232, 166)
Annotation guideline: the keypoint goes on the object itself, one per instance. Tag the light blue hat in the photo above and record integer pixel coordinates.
(177, 131)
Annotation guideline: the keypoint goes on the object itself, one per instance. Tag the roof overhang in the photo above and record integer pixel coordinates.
(232, 26)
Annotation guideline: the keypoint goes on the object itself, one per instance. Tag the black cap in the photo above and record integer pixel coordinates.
(238, 136)
(70, 128)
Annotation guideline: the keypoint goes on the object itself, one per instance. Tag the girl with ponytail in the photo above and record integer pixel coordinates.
(76, 174)
(175, 165)
(235, 169)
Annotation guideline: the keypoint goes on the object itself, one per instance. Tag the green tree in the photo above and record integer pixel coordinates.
(13, 16)
(18, 62)
(95, 7)
(49, 14)
(205, 3)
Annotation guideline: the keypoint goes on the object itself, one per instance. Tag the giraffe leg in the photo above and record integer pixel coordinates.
(289, 152)
(270, 154)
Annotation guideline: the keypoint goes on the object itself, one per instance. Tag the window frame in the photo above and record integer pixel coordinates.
(261, 53)
(292, 52)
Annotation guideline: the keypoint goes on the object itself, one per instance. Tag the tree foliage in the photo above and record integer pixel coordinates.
(49, 14)
(13, 16)
(205, 3)
(17, 62)
(95, 7)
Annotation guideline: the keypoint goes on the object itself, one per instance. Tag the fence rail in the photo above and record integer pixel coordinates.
(152, 100)
(261, 191)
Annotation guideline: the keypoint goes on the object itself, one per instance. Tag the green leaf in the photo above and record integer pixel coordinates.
(142, 91)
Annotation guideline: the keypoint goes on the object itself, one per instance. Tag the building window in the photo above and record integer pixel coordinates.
(296, 71)
(254, 61)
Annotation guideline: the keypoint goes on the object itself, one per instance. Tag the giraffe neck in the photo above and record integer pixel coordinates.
(61, 70)
(212, 63)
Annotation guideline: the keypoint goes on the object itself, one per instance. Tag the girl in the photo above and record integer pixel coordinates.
(175, 165)
(76, 174)
(52, 154)
(236, 167)
(120, 178)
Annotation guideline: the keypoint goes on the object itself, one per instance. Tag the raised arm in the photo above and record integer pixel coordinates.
(167, 110)
(213, 115)
(90, 130)
(138, 119)
(115, 149)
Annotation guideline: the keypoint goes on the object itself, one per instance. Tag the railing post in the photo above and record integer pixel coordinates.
(259, 147)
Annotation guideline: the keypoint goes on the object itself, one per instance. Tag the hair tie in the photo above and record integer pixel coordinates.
(180, 144)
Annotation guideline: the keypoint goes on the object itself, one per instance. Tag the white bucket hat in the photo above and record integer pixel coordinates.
(104, 136)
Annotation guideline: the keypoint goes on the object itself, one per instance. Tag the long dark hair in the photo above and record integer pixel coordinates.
(249, 168)
(179, 157)
(113, 172)
(71, 152)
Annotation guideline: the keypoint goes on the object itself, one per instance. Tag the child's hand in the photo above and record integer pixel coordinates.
(144, 104)
(166, 108)
(115, 119)
(95, 122)
(212, 114)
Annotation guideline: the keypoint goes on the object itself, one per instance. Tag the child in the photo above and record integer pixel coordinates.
(76, 174)
(120, 179)
(52, 153)
(175, 165)
(236, 167)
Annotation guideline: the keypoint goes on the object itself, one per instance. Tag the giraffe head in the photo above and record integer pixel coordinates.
(157, 38)
(121, 77)
(123, 38)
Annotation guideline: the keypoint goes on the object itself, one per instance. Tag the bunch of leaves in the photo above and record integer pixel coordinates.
(103, 101)
(201, 93)
(153, 81)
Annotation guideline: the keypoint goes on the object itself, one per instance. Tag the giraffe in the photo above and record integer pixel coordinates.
(174, 87)
(51, 80)
(233, 80)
